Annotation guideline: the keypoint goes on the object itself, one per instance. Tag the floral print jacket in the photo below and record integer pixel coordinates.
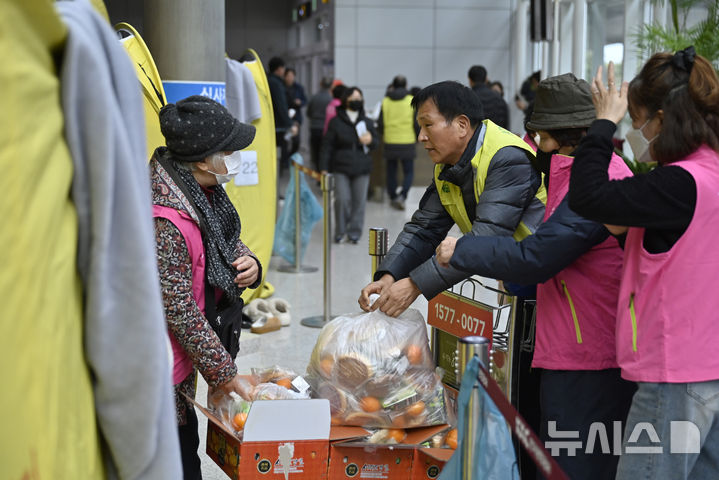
(185, 320)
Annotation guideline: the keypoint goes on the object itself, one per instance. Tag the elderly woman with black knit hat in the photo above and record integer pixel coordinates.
(204, 266)
(577, 266)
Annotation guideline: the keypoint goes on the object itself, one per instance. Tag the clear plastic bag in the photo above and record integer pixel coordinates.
(310, 213)
(282, 377)
(232, 410)
(377, 371)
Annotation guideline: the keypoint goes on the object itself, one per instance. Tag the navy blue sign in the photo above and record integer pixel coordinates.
(177, 90)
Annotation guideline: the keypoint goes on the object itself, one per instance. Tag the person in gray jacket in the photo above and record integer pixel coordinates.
(484, 181)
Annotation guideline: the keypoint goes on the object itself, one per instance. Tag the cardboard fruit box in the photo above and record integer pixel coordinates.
(282, 439)
(362, 460)
(428, 462)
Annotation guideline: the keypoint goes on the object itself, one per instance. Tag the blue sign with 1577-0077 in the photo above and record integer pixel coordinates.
(177, 90)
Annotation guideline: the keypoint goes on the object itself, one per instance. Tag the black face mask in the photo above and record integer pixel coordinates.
(355, 105)
(543, 160)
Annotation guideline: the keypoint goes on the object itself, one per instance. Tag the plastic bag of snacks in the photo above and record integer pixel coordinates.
(277, 383)
(377, 371)
(232, 410)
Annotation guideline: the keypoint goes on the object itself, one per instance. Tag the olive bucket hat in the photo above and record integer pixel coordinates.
(197, 127)
(562, 102)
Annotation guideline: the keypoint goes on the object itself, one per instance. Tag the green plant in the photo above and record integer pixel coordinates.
(653, 38)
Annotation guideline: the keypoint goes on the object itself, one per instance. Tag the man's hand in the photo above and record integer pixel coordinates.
(445, 250)
(375, 287)
(397, 298)
(247, 266)
(610, 102)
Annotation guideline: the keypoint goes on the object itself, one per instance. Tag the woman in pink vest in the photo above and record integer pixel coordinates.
(577, 266)
(668, 219)
(198, 247)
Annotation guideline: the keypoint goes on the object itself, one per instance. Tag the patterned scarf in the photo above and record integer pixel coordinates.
(221, 238)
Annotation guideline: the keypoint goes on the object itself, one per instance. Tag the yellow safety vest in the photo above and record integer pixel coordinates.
(495, 137)
(398, 120)
(47, 411)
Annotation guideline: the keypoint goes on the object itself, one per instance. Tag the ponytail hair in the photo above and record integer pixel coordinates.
(686, 88)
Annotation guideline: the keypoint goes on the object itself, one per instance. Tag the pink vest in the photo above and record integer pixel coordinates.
(193, 239)
(669, 303)
(330, 112)
(576, 309)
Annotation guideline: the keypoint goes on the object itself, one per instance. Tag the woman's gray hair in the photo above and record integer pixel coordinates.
(216, 160)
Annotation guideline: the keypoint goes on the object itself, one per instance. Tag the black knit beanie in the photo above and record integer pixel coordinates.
(197, 126)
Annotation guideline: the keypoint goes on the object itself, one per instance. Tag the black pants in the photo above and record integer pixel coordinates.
(189, 443)
(315, 145)
(407, 173)
(575, 400)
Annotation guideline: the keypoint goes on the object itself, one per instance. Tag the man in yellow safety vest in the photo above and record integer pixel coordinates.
(397, 126)
(484, 181)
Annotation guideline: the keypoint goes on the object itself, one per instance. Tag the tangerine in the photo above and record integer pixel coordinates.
(414, 354)
(326, 365)
(451, 439)
(396, 434)
(370, 404)
(238, 421)
(284, 382)
(399, 422)
(416, 409)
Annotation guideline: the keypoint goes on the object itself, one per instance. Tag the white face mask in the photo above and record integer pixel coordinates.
(639, 144)
(232, 164)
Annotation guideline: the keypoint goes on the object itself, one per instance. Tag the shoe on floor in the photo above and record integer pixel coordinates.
(354, 240)
(266, 324)
(280, 308)
(257, 309)
(398, 203)
(340, 238)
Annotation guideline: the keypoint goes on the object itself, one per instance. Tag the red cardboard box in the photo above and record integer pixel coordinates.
(281, 439)
(362, 460)
(428, 462)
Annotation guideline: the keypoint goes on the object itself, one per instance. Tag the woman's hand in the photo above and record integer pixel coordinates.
(610, 102)
(247, 266)
(366, 138)
(445, 250)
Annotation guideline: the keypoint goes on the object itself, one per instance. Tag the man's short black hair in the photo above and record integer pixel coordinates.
(326, 83)
(290, 70)
(275, 63)
(478, 74)
(400, 81)
(452, 100)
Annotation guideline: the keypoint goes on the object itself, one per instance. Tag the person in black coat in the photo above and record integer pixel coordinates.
(495, 108)
(345, 153)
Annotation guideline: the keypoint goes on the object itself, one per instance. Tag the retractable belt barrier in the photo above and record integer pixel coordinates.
(327, 183)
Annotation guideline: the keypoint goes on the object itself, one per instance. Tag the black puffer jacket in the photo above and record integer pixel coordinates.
(342, 151)
(508, 198)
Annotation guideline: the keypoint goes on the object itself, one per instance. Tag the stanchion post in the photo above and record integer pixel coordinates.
(297, 267)
(319, 321)
(467, 348)
(377, 247)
